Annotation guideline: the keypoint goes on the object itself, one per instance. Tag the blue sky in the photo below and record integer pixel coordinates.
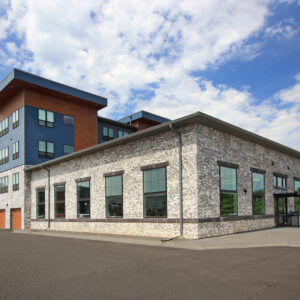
(236, 60)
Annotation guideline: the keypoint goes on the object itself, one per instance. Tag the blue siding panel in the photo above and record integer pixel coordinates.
(12, 136)
(60, 135)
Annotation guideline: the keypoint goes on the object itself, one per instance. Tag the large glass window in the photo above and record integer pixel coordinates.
(228, 182)
(46, 118)
(155, 194)
(107, 134)
(297, 199)
(4, 184)
(4, 127)
(3, 155)
(258, 193)
(59, 196)
(83, 199)
(15, 119)
(114, 196)
(40, 204)
(280, 182)
(16, 150)
(46, 149)
(15, 181)
(68, 149)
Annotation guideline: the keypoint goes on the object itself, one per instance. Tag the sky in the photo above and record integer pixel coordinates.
(238, 61)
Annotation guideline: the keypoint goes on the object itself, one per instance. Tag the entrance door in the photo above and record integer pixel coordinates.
(281, 211)
(2, 219)
(16, 219)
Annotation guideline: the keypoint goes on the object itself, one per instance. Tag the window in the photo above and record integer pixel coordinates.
(83, 199)
(107, 134)
(4, 156)
(15, 119)
(155, 194)
(122, 133)
(68, 120)
(280, 181)
(46, 118)
(68, 149)
(59, 196)
(16, 150)
(228, 194)
(4, 184)
(114, 196)
(15, 181)
(258, 193)
(297, 199)
(4, 127)
(46, 149)
(40, 203)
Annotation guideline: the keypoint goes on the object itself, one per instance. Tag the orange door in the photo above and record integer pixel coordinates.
(2, 219)
(16, 219)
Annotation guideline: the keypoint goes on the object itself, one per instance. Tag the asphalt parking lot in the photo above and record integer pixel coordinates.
(40, 267)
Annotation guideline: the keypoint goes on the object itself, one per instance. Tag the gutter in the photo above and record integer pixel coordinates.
(180, 177)
(48, 171)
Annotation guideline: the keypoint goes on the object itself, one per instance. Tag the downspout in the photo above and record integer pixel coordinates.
(180, 178)
(48, 171)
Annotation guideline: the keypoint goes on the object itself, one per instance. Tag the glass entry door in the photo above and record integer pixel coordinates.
(281, 211)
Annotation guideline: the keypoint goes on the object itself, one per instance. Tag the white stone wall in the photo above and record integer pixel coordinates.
(214, 145)
(128, 157)
(13, 199)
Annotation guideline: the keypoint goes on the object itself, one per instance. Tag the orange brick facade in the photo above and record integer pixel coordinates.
(142, 124)
(11, 105)
(85, 115)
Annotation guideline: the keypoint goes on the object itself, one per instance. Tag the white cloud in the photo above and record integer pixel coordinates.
(112, 47)
(284, 29)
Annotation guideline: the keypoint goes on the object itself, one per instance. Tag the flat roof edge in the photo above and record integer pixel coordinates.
(200, 117)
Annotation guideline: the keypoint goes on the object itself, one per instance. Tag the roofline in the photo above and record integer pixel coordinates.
(118, 123)
(51, 85)
(155, 118)
(200, 117)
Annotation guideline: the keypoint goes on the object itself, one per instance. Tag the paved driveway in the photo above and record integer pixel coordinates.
(40, 267)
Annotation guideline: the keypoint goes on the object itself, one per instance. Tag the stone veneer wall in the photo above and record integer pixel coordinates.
(214, 146)
(129, 157)
(14, 199)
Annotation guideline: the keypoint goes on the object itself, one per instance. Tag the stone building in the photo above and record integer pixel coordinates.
(194, 177)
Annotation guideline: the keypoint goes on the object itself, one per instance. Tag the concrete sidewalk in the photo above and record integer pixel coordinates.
(285, 237)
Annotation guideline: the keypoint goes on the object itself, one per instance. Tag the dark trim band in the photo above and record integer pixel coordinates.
(83, 179)
(260, 171)
(296, 178)
(155, 166)
(116, 173)
(163, 220)
(280, 175)
(41, 187)
(227, 164)
(59, 183)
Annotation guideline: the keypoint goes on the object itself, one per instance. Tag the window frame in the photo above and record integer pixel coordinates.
(256, 171)
(16, 154)
(4, 126)
(15, 186)
(60, 201)
(85, 199)
(155, 193)
(46, 123)
(46, 154)
(15, 119)
(296, 180)
(4, 184)
(283, 177)
(71, 125)
(234, 167)
(114, 197)
(38, 203)
(4, 155)
(107, 138)
(69, 146)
